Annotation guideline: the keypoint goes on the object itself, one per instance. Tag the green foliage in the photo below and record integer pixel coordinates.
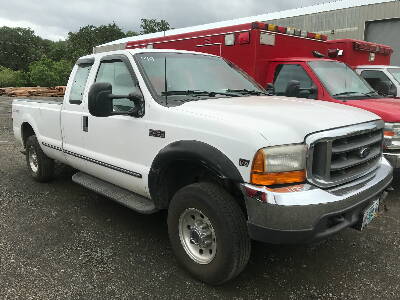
(131, 33)
(58, 51)
(19, 47)
(47, 72)
(153, 25)
(82, 42)
(27, 59)
(11, 78)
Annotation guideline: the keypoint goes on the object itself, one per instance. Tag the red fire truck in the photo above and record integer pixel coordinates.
(291, 62)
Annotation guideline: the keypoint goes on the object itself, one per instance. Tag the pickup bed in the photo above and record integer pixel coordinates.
(191, 133)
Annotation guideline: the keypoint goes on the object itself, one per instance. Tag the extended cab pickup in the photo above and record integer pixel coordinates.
(191, 133)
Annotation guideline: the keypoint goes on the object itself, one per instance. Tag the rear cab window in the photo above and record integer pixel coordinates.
(80, 80)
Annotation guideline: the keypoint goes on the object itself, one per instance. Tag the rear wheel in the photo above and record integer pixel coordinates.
(208, 233)
(40, 166)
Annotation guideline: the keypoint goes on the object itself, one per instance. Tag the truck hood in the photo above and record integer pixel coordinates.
(280, 120)
(387, 108)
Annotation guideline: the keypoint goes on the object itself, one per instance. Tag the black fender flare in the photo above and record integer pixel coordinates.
(191, 150)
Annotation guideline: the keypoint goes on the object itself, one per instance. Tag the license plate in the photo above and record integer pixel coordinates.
(370, 213)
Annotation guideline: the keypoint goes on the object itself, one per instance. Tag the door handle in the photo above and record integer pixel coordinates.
(85, 123)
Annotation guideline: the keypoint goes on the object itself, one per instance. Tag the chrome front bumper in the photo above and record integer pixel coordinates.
(305, 213)
(393, 158)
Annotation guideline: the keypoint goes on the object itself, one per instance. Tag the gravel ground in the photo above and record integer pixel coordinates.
(61, 241)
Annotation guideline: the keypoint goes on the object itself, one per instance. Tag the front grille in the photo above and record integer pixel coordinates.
(344, 154)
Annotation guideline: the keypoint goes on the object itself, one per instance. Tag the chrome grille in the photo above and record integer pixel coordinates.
(341, 155)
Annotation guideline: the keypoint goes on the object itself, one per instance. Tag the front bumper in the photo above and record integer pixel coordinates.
(305, 213)
(393, 158)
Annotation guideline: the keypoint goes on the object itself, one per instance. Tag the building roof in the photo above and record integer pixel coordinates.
(329, 6)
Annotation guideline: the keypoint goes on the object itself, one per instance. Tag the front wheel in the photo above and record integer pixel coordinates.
(208, 233)
(40, 166)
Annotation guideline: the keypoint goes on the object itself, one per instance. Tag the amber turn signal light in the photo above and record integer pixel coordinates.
(278, 178)
(388, 133)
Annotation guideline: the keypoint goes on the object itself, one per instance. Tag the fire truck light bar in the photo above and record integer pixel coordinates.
(288, 30)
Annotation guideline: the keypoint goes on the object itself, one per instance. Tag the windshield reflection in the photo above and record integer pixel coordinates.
(182, 77)
(341, 81)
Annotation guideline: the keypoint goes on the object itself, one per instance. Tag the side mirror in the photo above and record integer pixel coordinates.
(304, 93)
(313, 92)
(392, 91)
(383, 88)
(100, 101)
(293, 88)
(270, 89)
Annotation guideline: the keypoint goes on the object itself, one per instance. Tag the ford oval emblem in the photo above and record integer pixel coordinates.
(364, 152)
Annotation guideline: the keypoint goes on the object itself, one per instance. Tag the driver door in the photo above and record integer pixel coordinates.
(113, 149)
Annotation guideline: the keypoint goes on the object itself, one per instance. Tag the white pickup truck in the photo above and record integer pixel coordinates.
(384, 79)
(191, 133)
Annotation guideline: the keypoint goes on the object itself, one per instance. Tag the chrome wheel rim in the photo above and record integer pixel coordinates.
(33, 160)
(197, 236)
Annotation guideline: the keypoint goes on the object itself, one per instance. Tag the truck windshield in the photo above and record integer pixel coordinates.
(395, 73)
(174, 78)
(341, 81)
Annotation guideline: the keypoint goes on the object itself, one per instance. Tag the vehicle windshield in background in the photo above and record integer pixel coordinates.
(341, 81)
(395, 73)
(191, 77)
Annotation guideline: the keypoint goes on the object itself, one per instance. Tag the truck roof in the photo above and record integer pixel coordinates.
(303, 59)
(377, 67)
(142, 50)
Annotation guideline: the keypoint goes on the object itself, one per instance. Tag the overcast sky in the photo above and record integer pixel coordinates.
(53, 19)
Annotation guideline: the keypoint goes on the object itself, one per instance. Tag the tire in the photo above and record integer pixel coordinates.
(41, 167)
(207, 210)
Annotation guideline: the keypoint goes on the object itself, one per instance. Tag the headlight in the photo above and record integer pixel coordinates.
(391, 135)
(279, 164)
(388, 131)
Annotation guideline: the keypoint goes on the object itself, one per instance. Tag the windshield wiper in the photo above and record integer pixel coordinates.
(247, 92)
(345, 94)
(198, 93)
(371, 94)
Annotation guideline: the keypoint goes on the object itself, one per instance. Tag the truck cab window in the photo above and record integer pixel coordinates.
(287, 72)
(79, 83)
(378, 80)
(117, 73)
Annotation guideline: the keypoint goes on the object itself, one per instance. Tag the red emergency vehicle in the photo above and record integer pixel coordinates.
(291, 62)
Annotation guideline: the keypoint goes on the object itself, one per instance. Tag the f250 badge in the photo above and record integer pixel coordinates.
(157, 133)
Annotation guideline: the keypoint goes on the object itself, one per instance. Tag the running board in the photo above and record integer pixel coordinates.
(109, 190)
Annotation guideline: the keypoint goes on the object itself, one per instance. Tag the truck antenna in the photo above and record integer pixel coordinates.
(165, 80)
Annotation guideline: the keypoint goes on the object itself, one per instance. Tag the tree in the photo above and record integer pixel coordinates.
(11, 78)
(131, 33)
(58, 51)
(153, 25)
(82, 42)
(19, 47)
(47, 72)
